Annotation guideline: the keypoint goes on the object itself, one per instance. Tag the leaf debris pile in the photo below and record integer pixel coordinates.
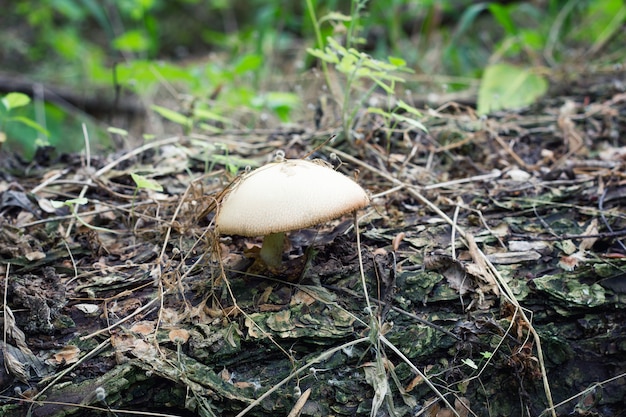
(493, 254)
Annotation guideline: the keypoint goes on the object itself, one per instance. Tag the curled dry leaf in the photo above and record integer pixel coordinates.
(14, 332)
(15, 367)
(143, 327)
(68, 354)
(225, 375)
(479, 268)
(88, 309)
(35, 256)
(144, 350)
(417, 380)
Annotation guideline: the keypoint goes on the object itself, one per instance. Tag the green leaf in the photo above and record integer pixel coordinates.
(117, 131)
(30, 123)
(280, 103)
(467, 19)
(408, 108)
(327, 55)
(399, 118)
(502, 15)
(58, 204)
(14, 100)
(172, 116)
(600, 21)
(141, 75)
(205, 114)
(505, 86)
(132, 41)
(336, 16)
(470, 363)
(397, 62)
(147, 183)
(248, 63)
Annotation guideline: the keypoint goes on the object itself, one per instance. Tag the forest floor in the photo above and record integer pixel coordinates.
(492, 253)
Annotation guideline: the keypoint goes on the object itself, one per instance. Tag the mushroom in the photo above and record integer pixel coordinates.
(286, 195)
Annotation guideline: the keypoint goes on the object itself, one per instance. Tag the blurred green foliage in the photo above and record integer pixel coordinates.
(223, 61)
(27, 127)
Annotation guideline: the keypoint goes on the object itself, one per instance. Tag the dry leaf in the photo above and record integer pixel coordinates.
(14, 366)
(68, 354)
(35, 256)
(225, 375)
(573, 138)
(508, 258)
(143, 327)
(457, 279)
(462, 406)
(88, 309)
(144, 350)
(479, 268)
(418, 380)
(14, 332)
(302, 297)
(588, 242)
(122, 343)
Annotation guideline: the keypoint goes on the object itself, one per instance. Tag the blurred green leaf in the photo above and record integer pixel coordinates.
(398, 118)
(603, 19)
(505, 86)
(248, 63)
(469, 362)
(146, 183)
(117, 131)
(205, 114)
(132, 41)
(397, 62)
(30, 123)
(502, 15)
(173, 116)
(280, 103)
(58, 204)
(14, 100)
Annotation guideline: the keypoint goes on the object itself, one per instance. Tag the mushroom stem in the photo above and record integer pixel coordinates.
(272, 249)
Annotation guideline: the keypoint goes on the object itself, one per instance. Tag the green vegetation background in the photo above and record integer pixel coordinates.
(210, 65)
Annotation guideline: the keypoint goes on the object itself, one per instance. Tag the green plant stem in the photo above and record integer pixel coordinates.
(355, 6)
(319, 40)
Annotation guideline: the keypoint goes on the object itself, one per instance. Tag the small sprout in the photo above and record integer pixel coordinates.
(69, 203)
(143, 182)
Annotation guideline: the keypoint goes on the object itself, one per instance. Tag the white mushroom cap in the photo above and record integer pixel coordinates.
(287, 195)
